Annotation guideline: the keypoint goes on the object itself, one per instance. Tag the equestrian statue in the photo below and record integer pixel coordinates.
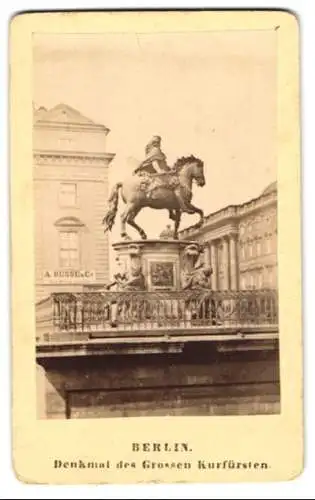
(156, 185)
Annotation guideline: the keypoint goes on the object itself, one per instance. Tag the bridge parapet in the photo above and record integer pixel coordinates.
(65, 317)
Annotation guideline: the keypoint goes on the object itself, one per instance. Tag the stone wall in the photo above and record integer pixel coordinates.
(198, 381)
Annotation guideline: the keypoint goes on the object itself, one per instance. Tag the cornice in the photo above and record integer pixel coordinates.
(74, 178)
(86, 127)
(258, 263)
(257, 204)
(221, 232)
(72, 158)
(232, 214)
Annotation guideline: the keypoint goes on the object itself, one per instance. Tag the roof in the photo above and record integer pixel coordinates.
(235, 210)
(271, 188)
(63, 114)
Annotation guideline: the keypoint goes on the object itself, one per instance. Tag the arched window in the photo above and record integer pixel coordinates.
(258, 248)
(69, 250)
(69, 229)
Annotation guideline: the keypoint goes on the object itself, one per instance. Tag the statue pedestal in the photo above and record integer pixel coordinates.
(161, 261)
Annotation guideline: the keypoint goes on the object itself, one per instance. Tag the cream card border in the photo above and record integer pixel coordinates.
(276, 439)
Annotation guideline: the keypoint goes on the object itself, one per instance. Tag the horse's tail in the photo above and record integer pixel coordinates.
(110, 215)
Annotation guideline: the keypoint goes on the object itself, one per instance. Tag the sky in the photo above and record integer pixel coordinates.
(211, 94)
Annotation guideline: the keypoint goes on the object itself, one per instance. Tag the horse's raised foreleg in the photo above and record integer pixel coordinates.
(172, 215)
(183, 204)
(192, 209)
(132, 213)
(177, 222)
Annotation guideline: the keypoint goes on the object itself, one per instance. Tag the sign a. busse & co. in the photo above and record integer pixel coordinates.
(69, 275)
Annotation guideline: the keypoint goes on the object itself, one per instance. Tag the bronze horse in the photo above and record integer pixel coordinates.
(171, 190)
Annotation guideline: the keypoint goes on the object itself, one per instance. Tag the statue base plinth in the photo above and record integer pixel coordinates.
(161, 260)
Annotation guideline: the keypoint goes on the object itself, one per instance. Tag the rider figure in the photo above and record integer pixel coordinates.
(155, 160)
(156, 166)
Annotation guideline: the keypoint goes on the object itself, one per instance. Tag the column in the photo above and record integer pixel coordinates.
(207, 256)
(226, 264)
(214, 265)
(233, 263)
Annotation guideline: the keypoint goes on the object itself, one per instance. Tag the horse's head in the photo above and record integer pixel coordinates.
(197, 171)
(195, 167)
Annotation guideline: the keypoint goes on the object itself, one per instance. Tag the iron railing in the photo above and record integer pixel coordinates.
(69, 316)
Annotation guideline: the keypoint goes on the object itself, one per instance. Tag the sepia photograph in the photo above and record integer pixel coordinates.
(156, 247)
(155, 224)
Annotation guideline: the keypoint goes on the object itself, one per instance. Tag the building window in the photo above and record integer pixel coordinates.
(270, 277)
(250, 249)
(65, 142)
(258, 248)
(68, 194)
(268, 245)
(243, 282)
(260, 283)
(252, 281)
(69, 249)
(242, 251)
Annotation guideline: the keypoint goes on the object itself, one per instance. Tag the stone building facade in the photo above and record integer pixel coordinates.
(71, 189)
(241, 243)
